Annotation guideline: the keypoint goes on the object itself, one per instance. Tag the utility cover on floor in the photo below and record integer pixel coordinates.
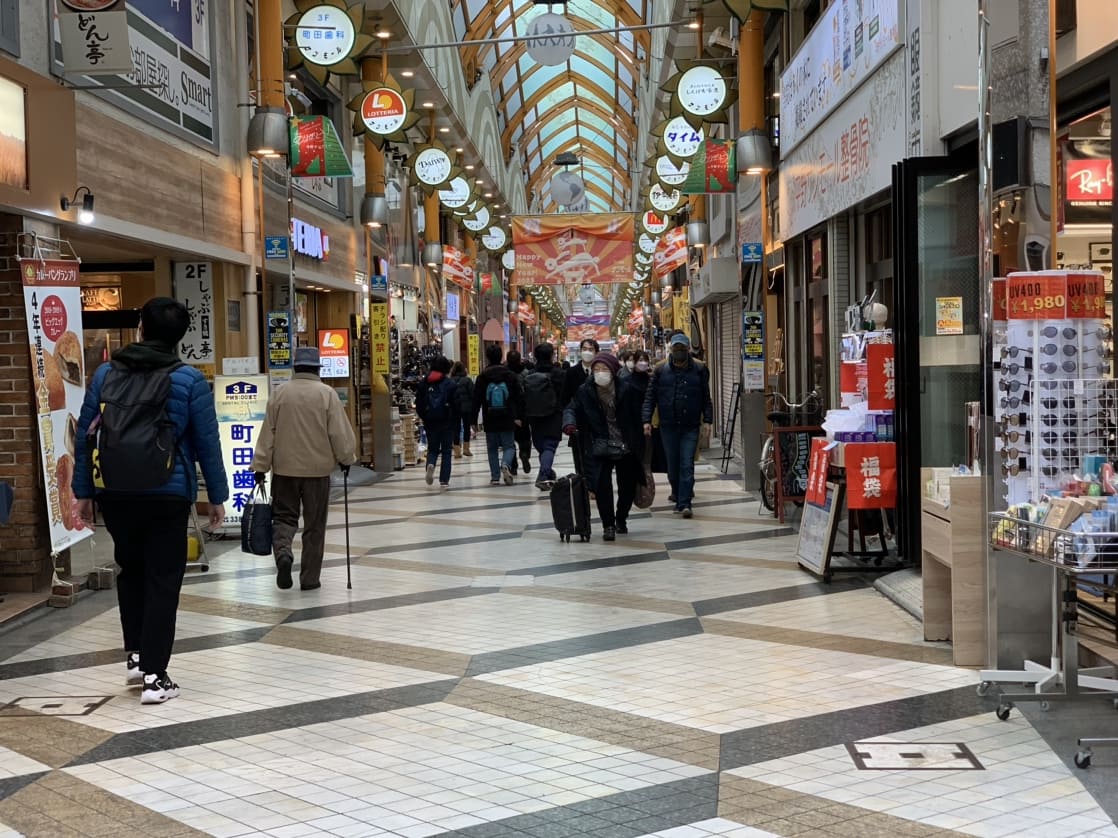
(54, 705)
(913, 756)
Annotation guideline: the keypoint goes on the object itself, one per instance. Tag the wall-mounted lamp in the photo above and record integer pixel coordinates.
(85, 215)
(698, 234)
(268, 133)
(433, 255)
(374, 211)
(754, 152)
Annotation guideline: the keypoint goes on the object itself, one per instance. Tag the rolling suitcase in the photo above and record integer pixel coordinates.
(570, 504)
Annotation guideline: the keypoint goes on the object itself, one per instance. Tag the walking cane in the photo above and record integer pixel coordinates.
(345, 496)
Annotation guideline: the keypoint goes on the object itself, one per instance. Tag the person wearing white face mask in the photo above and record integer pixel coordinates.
(579, 372)
(604, 421)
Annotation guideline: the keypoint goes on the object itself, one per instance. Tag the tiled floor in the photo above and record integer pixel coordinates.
(482, 679)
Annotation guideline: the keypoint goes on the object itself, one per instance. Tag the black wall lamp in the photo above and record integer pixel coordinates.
(85, 216)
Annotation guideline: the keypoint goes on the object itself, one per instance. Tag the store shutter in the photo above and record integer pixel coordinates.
(729, 366)
(9, 26)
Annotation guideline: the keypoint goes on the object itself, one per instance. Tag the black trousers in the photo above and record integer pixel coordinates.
(149, 542)
(523, 436)
(628, 470)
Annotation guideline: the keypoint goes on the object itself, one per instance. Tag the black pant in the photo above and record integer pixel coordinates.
(523, 436)
(628, 470)
(149, 540)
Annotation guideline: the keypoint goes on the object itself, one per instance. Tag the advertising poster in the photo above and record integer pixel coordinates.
(949, 315)
(279, 340)
(378, 337)
(525, 314)
(473, 349)
(671, 252)
(13, 135)
(241, 402)
(53, 301)
(871, 475)
(753, 351)
(572, 248)
(333, 352)
(194, 289)
(582, 327)
(457, 268)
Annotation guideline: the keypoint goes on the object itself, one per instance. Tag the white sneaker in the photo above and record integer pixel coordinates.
(157, 690)
(430, 474)
(507, 475)
(134, 676)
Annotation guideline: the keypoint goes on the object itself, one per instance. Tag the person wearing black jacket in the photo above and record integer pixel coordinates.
(436, 402)
(544, 414)
(500, 398)
(464, 395)
(604, 420)
(523, 433)
(579, 370)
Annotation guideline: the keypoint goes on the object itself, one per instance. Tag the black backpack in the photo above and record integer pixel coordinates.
(438, 401)
(134, 446)
(540, 399)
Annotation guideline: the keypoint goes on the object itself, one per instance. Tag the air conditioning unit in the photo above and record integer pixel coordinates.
(718, 282)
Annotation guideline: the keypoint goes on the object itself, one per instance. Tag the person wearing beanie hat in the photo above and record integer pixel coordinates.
(604, 422)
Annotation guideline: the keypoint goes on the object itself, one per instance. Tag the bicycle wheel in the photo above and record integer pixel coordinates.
(768, 475)
(768, 492)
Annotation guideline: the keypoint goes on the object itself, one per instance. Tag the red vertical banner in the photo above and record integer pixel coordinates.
(817, 472)
(871, 475)
(882, 381)
(1086, 295)
(1001, 304)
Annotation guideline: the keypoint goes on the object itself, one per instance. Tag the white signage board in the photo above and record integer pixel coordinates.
(849, 41)
(248, 365)
(95, 44)
(848, 158)
(194, 289)
(241, 402)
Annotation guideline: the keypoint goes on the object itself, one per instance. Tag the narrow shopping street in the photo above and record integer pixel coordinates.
(483, 679)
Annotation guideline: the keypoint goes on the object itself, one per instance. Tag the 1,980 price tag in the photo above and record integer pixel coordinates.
(1037, 297)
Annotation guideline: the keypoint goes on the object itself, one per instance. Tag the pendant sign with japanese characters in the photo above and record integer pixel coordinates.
(479, 221)
(653, 223)
(700, 93)
(680, 139)
(646, 243)
(508, 261)
(193, 284)
(383, 110)
(668, 173)
(328, 36)
(88, 5)
(552, 39)
(431, 166)
(661, 200)
(457, 194)
(881, 376)
(495, 240)
(871, 475)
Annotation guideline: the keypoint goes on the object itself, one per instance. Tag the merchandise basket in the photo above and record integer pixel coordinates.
(1070, 554)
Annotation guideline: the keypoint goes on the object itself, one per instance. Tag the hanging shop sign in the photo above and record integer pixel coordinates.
(333, 351)
(700, 93)
(384, 110)
(279, 340)
(669, 173)
(329, 36)
(525, 314)
(432, 166)
(551, 39)
(494, 240)
(457, 268)
(96, 44)
(881, 377)
(315, 149)
(713, 169)
(479, 221)
(573, 248)
(241, 402)
(753, 351)
(654, 223)
(871, 475)
(679, 139)
(457, 194)
(193, 284)
(89, 5)
(468, 209)
(845, 46)
(663, 201)
(473, 355)
(508, 260)
(670, 252)
(53, 302)
(647, 243)
(378, 337)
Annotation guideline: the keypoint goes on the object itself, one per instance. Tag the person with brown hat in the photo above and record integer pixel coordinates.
(305, 434)
(604, 421)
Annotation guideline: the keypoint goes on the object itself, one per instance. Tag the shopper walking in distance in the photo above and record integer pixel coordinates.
(543, 407)
(679, 391)
(499, 397)
(604, 420)
(523, 432)
(305, 435)
(436, 402)
(464, 396)
(146, 420)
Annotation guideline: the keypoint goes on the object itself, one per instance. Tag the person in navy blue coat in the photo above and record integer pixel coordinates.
(149, 527)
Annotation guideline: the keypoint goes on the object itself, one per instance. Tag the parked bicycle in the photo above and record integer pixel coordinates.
(807, 412)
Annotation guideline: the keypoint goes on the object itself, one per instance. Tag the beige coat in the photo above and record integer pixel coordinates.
(306, 432)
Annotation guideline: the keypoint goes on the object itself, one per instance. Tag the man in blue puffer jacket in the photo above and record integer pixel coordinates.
(149, 528)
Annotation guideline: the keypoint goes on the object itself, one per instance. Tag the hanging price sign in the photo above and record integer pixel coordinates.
(1086, 295)
(1037, 296)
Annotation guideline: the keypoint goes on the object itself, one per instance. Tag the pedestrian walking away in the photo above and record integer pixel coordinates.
(523, 432)
(679, 391)
(304, 436)
(604, 420)
(499, 397)
(436, 402)
(543, 406)
(464, 394)
(146, 420)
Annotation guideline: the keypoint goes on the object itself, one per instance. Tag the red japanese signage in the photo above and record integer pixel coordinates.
(818, 466)
(1037, 296)
(871, 475)
(1001, 307)
(853, 377)
(574, 248)
(881, 376)
(1086, 295)
(1090, 183)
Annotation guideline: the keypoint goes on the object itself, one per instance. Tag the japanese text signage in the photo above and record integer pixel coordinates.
(1037, 296)
(325, 35)
(1086, 295)
(871, 475)
(241, 403)
(452, 314)
(753, 351)
(378, 337)
(194, 289)
(96, 44)
(817, 472)
(333, 353)
(53, 302)
(279, 340)
(949, 315)
(882, 379)
(702, 90)
(473, 354)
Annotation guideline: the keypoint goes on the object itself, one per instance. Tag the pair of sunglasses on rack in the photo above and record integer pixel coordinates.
(1071, 333)
(1050, 367)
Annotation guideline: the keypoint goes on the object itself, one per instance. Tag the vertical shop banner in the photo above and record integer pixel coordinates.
(241, 402)
(279, 340)
(817, 472)
(333, 352)
(881, 382)
(457, 267)
(378, 338)
(194, 289)
(753, 351)
(1037, 296)
(713, 169)
(671, 252)
(53, 302)
(871, 475)
(1086, 295)
(473, 354)
(681, 302)
(574, 248)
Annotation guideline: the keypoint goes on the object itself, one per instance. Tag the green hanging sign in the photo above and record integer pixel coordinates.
(713, 169)
(316, 150)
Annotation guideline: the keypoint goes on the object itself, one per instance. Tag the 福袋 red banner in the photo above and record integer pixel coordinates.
(582, 327)
(871, 475)
(573, 248)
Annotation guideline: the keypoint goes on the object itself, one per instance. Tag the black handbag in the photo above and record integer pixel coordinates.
(256, 523)
(607, 449)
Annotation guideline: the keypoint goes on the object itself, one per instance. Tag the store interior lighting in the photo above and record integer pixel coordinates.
(85, 215)
(268, 133)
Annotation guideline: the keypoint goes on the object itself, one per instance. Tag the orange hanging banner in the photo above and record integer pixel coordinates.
(573, 248)
(871, 475)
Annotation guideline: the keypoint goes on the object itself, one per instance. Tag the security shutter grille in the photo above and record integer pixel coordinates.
(729, 367)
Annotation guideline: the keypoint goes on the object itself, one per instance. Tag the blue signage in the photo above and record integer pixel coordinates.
(752, 253)
(241, 388)
(379, 284)
(275, 247)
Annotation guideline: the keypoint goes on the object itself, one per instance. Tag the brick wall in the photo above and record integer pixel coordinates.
(25, 563)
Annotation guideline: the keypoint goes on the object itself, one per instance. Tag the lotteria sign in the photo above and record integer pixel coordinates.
(384, 111)
(309, 240)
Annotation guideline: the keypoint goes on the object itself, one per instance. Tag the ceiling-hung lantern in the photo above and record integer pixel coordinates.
(742, 9)
(431, 166)
(384, 110)
(700, 93)
(328, 37)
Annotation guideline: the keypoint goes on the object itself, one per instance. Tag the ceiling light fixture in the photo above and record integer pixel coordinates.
(469, 167)
(85, 215)
(407, 73)
(268, 133)
(384, 34)
(428, 105)
(444, 130)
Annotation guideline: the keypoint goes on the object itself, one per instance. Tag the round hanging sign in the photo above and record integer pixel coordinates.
(325, 35)
(653, 223)
(702, 90)
(494, 239)
(88, 5)
(552, 39)
(384, 111)
(567, 188)
(432, 166)
(509, 259)
(681, 139)
(479, 222)
(469, 209)
(663, 201)
(457, 194)
(669, 173)
(646, 243)
(643, 260)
